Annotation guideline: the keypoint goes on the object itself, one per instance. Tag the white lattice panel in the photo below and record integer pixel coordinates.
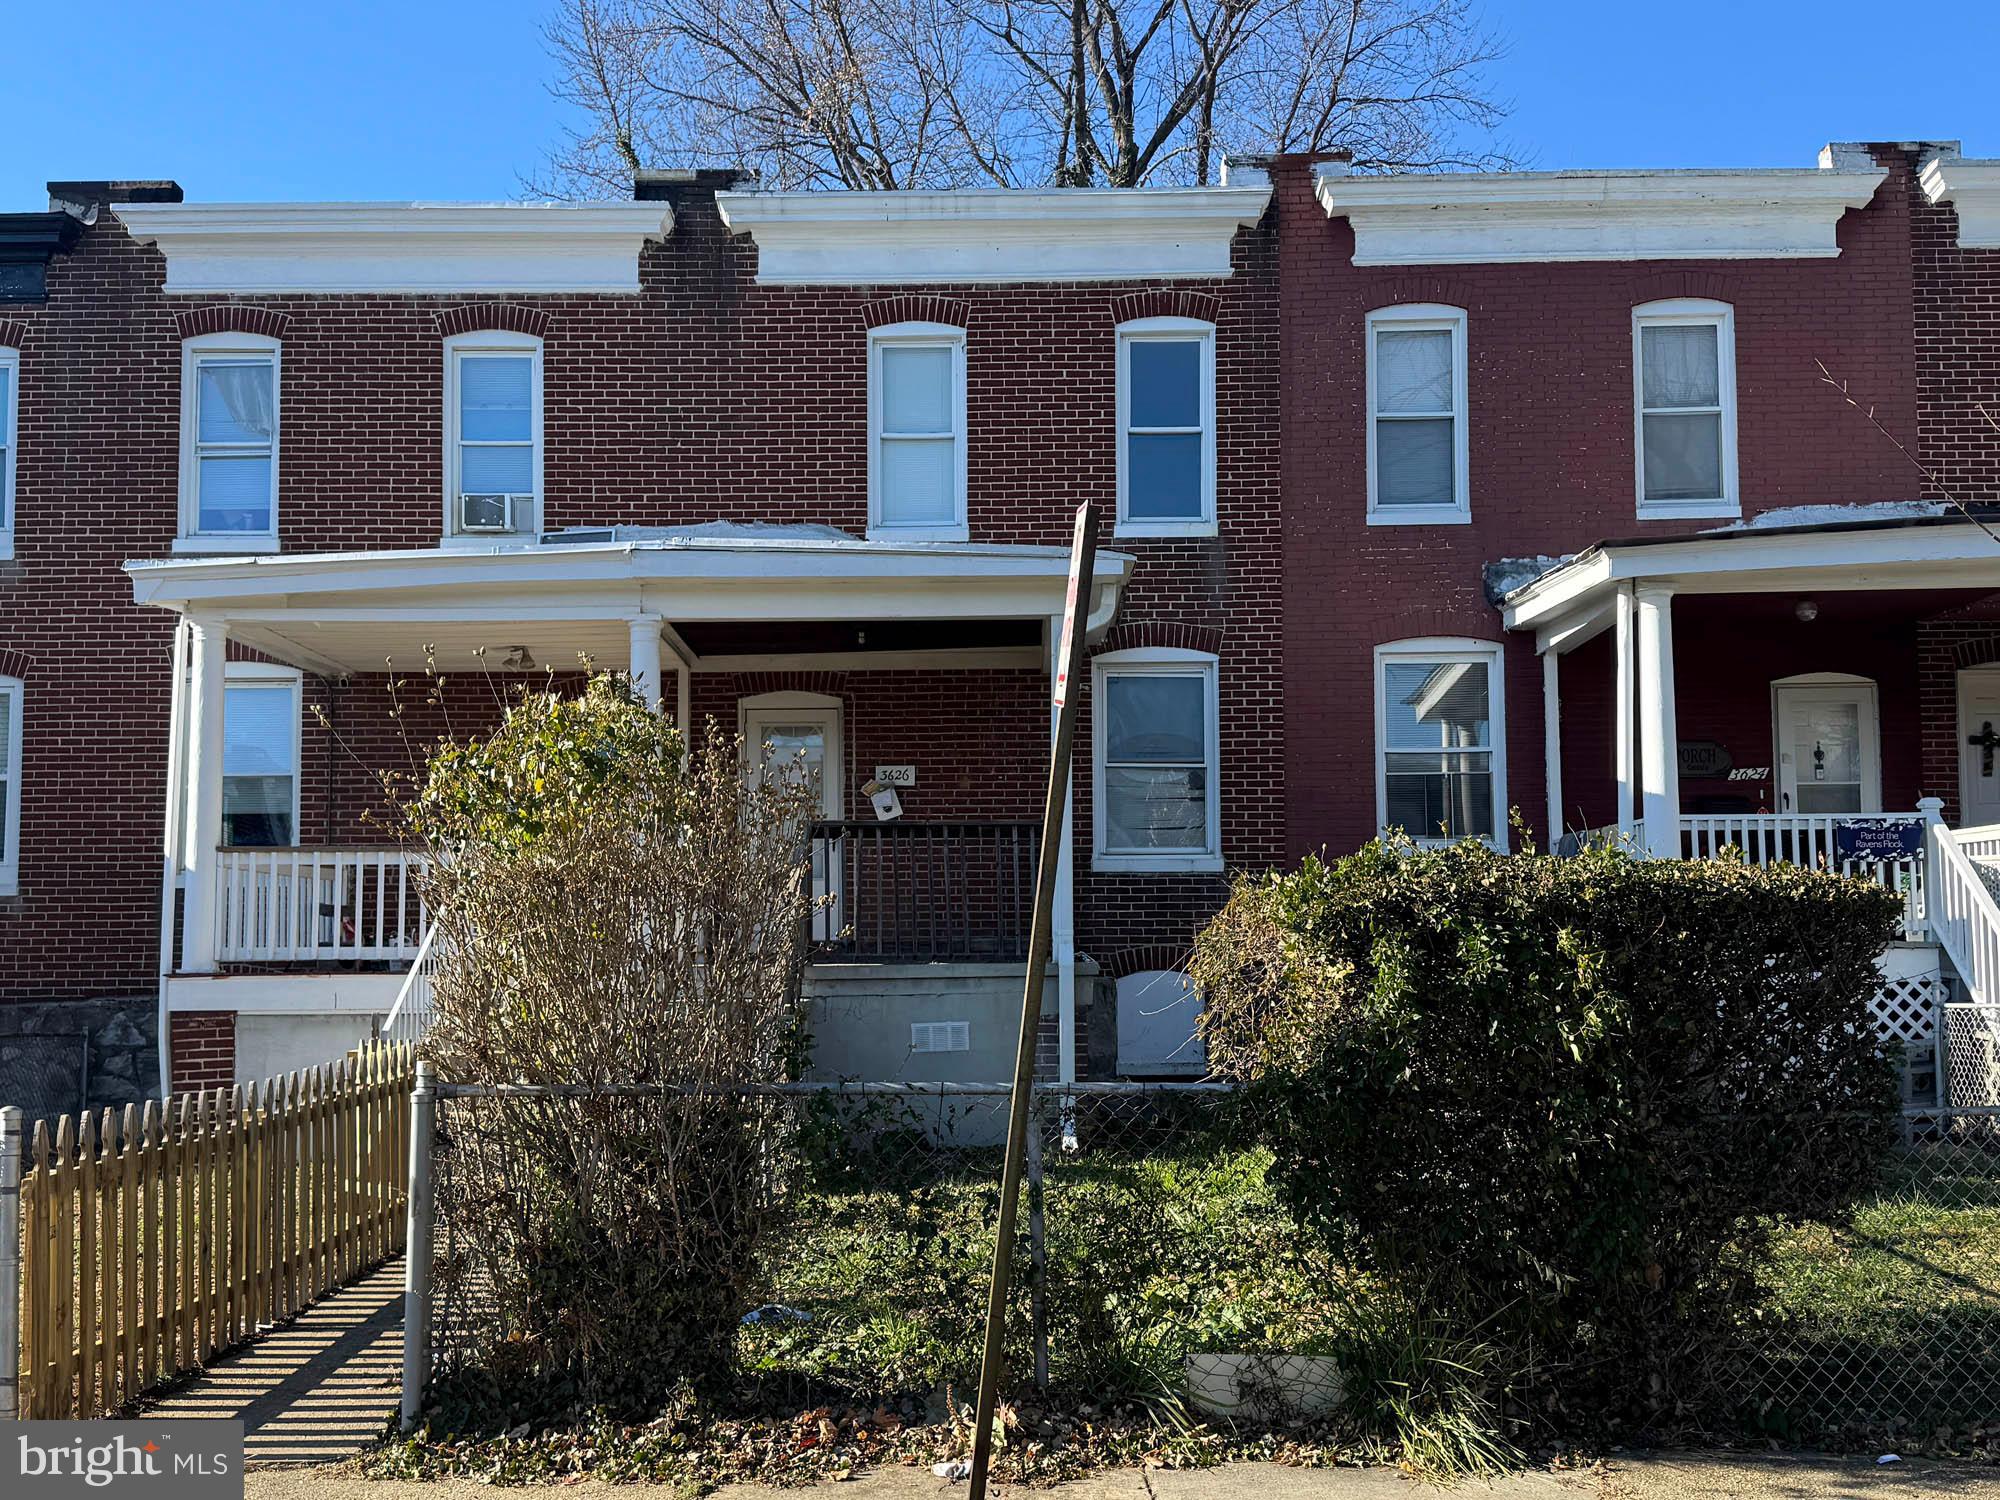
(1906, 1009)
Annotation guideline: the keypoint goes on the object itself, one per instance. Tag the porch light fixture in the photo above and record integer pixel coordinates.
(1806, 610)
(520, 659)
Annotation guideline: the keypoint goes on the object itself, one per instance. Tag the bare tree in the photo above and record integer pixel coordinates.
(954, 93)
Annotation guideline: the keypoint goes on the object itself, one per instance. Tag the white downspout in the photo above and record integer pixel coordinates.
(175, 825)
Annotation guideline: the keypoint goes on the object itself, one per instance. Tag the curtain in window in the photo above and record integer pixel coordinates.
(1680, 367)
(1155, 761)
(496, 424)
(236, 426)
(238, 404)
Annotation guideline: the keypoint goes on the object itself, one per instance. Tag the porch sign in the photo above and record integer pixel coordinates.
(1888, 839)
(1069, 658)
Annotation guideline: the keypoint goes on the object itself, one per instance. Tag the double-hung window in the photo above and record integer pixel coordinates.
(1440, 765)
(916, 432)
(1166, 427)
(260, 756)
(1418, 447)
(10, 421)
(1684, 385)
(1155, 758)
(229, 443)
(493, 436)
(10, 785)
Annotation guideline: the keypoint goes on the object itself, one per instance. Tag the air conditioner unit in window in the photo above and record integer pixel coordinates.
(489, 512)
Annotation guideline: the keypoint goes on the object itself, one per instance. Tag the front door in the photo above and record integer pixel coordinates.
(1827, 736)
(804, 741)
(1979, 746)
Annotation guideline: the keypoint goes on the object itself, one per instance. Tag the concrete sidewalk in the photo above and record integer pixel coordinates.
(1678, 1476)
(316, 1391)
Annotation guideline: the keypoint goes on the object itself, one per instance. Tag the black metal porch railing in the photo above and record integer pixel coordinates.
(910, 892)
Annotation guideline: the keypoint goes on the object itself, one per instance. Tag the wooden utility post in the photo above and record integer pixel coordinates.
(1069, 661)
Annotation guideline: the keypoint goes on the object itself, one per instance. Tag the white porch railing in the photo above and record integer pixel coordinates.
(312, 905)
(1808, 839)
(1964, 920)
(410, 1017)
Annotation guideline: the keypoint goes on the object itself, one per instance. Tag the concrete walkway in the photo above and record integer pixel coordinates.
(1679, 1476)
(315, 1391)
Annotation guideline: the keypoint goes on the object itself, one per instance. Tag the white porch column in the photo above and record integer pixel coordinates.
(645, 661)
(1552, 745)
(1062, 921)
(208, 645)
(1659, 740)
(1622, 769)
(682, 711)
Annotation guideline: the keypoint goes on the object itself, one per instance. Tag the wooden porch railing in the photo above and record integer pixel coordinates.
(152, 1243)
(318, 905)
(915, 892)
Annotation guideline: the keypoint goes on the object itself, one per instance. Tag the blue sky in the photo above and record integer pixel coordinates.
(446, 98)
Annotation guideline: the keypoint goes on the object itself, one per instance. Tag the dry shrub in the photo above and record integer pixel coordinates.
(627, 929)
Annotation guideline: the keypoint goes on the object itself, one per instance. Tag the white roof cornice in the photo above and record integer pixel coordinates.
(451, 248)
(992, 235)
(1973, 188)
(1486, 217)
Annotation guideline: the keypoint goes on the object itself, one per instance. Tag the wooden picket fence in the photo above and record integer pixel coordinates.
(153, 1243)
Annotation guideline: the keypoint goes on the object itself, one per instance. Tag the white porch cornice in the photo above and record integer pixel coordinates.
(344, 612)
(1570, 603)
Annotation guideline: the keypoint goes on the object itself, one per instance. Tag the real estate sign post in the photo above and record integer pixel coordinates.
(1069, 658)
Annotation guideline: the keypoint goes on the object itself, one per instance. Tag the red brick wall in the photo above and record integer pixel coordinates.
(1550, 381)
(203, 1044)
(704, 397)
(1958, 356)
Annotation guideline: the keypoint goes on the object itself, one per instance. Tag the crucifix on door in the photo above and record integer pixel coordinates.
(1985, 740)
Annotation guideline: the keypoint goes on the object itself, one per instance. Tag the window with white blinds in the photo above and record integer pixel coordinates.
(260, 770)
(916, 431)
(1155, 758)
(1418, 449)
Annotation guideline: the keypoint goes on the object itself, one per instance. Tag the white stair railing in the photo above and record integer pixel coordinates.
(410, 1017)
(1959, 909)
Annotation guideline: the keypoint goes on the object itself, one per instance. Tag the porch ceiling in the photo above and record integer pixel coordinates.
(1944, 557)
(346, 613)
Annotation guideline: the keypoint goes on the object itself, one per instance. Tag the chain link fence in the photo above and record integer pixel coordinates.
(1158, 1263)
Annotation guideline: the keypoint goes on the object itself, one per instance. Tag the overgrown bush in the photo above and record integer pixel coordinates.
(610, 916)
(1557, 1107)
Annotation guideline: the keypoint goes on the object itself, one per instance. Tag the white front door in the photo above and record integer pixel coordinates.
(1979, 746)
(804, 741)
(1827, 748)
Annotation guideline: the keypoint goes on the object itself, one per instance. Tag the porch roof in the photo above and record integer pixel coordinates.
(348, 612)
(1920, 545)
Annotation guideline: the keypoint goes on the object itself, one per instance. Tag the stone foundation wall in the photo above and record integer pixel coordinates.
(61, 1056)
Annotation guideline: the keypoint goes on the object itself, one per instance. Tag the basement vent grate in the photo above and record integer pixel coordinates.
(941, 1036)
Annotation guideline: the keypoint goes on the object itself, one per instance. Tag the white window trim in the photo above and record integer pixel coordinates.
(1445, 649)
(1168, 661)
(10, 428)
(10, 805)
(1420, 317)
(270, 674)
(222, 346)
(1686, 312)
(491, 341)
(1137, 330)
(917, 335)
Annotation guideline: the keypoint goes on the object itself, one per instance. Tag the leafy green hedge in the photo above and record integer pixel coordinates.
(1558, 1106)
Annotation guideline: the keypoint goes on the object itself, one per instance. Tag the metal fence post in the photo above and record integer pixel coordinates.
(1038, 1275)
(10, 1263)
(417, 1247)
